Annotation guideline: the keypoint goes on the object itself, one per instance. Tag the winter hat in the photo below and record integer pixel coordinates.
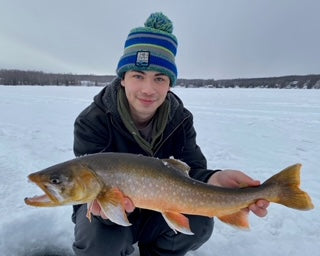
(151, 48)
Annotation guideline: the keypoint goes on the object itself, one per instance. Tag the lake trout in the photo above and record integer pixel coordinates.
(161, 185)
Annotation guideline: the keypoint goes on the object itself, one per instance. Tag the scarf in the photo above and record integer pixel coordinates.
(159, 122)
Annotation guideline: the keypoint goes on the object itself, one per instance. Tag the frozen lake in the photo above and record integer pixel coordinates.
(259, 131)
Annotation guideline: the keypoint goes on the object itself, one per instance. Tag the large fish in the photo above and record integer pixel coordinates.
(159, 185)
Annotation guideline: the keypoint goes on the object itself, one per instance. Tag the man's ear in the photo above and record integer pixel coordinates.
(122, 79)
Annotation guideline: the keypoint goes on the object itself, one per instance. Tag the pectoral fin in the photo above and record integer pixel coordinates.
(238, 219)
(89, 208)
(177, 222)
(111, 201)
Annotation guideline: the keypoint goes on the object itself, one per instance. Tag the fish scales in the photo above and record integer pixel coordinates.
(161, 185)
(137, 176)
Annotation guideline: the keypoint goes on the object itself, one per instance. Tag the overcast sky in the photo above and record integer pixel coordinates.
(217, 38)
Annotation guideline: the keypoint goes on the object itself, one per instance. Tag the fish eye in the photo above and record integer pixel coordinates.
(55, 181)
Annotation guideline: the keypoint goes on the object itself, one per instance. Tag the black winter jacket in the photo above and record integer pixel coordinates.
(99, 128)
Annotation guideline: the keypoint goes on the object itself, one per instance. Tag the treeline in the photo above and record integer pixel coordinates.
(19, 77)
(283, 82)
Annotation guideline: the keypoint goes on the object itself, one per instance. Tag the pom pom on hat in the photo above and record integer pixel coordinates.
(159, 21)
(151, 48)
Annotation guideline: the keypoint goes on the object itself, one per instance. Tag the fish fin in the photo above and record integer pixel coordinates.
(178, 222)
(290, 193)
(89, 207)
(111, 201)
(238, 219)
(177, 164)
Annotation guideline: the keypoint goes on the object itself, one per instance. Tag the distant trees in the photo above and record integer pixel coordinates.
(19, 77)
(288, 82)
(298, 82)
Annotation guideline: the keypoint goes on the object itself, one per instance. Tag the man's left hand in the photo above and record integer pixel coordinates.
(237, 179)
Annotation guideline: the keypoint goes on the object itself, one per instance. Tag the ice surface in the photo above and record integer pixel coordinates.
(259, 131)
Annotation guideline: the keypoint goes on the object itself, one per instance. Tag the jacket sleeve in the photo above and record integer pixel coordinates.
(90, 136)
(91, 133)
(193, 156)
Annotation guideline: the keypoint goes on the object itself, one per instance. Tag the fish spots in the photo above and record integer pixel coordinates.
(160, 188)
(190, 200)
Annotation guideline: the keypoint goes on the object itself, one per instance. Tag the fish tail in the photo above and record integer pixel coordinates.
(290, 194)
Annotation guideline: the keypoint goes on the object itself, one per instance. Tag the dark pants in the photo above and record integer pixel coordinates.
(149, 229)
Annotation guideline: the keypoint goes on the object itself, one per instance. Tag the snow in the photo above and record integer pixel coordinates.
(259, 131)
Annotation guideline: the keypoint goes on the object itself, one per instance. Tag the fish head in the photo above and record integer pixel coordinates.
(65, 184)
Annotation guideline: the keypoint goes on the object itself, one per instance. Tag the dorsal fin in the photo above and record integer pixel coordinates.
(177, 164)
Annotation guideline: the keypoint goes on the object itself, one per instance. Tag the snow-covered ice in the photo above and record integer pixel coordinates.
(259, 131)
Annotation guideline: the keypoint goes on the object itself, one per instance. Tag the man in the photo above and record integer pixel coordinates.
(139, 114)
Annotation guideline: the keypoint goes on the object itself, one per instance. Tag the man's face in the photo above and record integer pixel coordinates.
(145, 91)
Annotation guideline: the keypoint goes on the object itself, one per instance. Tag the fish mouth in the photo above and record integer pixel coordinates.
(45, 200)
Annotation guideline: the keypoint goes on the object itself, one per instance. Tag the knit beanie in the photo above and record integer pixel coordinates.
(151, 48)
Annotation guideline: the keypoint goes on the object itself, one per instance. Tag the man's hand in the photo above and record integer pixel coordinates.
(237, 179)
(97, 211)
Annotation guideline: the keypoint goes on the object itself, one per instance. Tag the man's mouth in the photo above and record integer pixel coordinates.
(146, 101)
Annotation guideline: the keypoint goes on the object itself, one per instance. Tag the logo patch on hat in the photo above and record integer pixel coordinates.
(142, 59)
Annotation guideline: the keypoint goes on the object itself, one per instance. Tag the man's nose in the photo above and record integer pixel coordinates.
(148, 87)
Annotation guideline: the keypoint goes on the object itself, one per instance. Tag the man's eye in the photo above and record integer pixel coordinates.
(160, 79)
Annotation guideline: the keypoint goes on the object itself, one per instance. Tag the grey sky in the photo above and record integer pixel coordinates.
(217, 39)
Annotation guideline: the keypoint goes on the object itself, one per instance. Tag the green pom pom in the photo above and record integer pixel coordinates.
(159, 21)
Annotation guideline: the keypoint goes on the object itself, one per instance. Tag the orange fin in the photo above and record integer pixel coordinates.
(238, 219)
(89, 206)
(177, 222)
(111, 202)
(290, 195)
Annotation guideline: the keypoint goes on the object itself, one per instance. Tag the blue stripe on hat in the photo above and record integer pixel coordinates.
(154, 60)
(152, 41)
